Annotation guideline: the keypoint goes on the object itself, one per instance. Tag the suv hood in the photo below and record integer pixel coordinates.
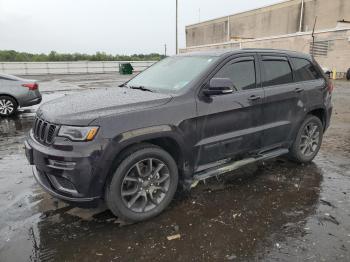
(84, 107)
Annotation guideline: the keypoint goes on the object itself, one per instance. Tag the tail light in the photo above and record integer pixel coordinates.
(330, 87)
(31, 86)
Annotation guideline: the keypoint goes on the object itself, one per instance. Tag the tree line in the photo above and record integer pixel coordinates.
(14, 56)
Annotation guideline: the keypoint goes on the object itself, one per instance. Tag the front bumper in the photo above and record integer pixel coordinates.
(66, 173)
(44, 182)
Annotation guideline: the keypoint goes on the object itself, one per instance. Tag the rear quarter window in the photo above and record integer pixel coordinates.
(304, 70)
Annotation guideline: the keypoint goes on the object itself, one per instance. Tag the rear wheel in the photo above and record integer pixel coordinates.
(308, 140)
(142, 185)
(8, 106)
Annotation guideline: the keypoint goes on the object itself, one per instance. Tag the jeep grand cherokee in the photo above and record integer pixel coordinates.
(186, 118)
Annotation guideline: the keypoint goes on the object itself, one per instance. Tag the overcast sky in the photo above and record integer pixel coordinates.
(112, 26)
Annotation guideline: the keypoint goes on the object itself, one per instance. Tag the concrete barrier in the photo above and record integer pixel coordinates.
(43, 68)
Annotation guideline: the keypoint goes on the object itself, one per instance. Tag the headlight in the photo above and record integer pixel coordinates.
(77, 133)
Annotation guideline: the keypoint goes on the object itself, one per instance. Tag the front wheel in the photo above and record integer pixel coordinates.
(142, 185)
(308, 140)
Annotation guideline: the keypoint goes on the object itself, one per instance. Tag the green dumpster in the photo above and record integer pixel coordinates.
(125, 68)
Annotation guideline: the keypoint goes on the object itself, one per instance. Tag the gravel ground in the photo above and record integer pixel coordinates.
(279, 211)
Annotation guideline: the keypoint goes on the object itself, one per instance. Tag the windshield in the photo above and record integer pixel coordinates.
(172, 74)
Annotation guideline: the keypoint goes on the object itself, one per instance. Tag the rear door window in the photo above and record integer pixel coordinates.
(276, 72)
(242, 74)
(304, 70)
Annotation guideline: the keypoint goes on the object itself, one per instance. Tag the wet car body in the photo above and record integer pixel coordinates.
(199, 131)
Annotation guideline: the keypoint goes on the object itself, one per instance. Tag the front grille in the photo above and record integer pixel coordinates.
(44, 131)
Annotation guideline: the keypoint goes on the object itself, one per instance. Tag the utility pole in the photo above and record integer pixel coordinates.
(199, 15)
(301, 16)
(165, 49)
(177, 37)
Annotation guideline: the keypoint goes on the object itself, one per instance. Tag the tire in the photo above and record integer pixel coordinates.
(8, 106)
(130, 195)
(308, 141)
(348, 74)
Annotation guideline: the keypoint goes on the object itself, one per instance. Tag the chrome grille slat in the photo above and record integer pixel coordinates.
(35, 123)
(38, 128)
(50, 133)
(44, 131)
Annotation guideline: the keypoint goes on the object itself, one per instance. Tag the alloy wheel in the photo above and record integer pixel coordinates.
(6, 107)
(310, 139)
(145, 185)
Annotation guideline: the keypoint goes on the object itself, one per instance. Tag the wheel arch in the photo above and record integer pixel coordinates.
(14, 98)
(320, 113)
(171, 146)
(168, 139)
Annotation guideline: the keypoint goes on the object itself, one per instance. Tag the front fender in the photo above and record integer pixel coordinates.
(129, 138)
(132, 137)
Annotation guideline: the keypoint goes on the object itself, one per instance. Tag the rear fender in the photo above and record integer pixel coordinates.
(325, 119)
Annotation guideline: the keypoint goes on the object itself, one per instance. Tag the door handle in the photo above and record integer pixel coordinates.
(254, 98)
(298, 90)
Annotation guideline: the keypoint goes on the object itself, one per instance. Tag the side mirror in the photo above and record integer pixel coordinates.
(219, 86)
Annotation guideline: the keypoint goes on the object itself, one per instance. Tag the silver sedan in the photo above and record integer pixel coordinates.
(17, 92)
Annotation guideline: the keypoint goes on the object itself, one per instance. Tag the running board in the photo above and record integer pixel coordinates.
(228, 167)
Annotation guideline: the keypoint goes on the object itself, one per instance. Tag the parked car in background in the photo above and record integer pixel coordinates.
(17, 92)
(185, 119)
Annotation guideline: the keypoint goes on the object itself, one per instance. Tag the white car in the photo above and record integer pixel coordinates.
(17, 92)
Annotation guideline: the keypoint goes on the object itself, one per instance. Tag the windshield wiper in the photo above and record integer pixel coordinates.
(141, 88)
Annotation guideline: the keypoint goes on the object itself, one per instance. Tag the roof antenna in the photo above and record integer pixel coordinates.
(313, 37)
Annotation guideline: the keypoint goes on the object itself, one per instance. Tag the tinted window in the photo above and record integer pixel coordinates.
(241, 73)
(276, 72)
(304, 70)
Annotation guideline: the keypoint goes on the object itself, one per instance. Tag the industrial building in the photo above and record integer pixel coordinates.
(292, 25)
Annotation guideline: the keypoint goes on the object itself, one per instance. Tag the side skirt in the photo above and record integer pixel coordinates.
(228, 167)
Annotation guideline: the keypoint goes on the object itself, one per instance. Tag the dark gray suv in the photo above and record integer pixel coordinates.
(185, 119)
